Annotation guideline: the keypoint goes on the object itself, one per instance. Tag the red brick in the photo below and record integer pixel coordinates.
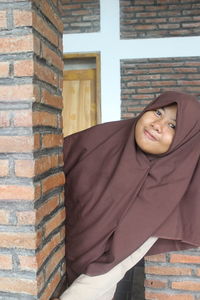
(44, 118)
(60, 44)
(191, 25)
(4, 119)
(189, 82)
(23, 68)
(184, 258)
(145, 27)
(62, 233)
(28, 118)
(148, 77)
(4, 68)
(25, 168)
(163, 270)
(162, 70)
(51, 57)
(41, 256)
(128, 115)
(80, 24)
(44, 163)
(192, 89)
(17, 44)
(15, 285)
(27, 263)
(193, 76)
(141, 2)
(26, 217)
(52, 182)
(60, 121)
(52, 100)
(41, 281)
(4, 167)
(52, 140)
(60, 159)
(59, 5)
(18, 192)
(62, 198)
(156, 284)
(186, 285)
(173, 76)
(36, 45)
(181, 32)
(4, 217)
(195, 63)
(135, 108)
(163, 296)
(157, 258)
(37, 141)
(146, 14)
(164, 83)
(70, 6)
(149, 90)
(197, 271)
(22, 92)
(60, 82)
(42, 27)
(3, 19)
(179, 19)
(12, 144)
(54, 222)
(36, 97)
(54, 261)
(22, 118)
(50, 288)
(169, 26)
(136, 83)
(45, 74)
(6, 262)
(22, 18)
(18, 240)
(50, 14)
(47, 208)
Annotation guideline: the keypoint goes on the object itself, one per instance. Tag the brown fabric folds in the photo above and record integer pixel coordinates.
(117, 196)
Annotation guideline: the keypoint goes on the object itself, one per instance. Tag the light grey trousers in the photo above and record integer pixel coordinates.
(102, 287)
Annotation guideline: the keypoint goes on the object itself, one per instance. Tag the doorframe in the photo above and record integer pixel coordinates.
(97, 57)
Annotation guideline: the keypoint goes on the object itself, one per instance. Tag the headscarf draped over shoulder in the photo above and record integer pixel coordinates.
(117, 197)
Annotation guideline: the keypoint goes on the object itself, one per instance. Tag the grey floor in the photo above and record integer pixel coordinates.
(131, 287)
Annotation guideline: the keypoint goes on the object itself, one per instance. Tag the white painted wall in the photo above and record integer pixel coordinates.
(112, 49)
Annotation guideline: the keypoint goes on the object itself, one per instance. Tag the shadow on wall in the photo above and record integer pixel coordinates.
(131, 287)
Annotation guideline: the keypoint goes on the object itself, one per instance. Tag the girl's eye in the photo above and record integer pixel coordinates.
(158, 112)
(173, 126)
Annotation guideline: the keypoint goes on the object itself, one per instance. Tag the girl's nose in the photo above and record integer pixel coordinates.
(157, 126)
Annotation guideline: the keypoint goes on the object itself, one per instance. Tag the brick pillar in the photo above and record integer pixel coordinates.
(31, 179)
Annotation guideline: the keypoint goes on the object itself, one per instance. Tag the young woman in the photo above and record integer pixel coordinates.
(132, 187)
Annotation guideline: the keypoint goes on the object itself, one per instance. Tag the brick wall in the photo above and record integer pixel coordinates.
(160, 18)
(175, 275)
(81, 16)
(143, 79)
(31, 179)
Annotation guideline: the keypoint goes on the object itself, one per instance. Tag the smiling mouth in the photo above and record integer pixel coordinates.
(149, 135)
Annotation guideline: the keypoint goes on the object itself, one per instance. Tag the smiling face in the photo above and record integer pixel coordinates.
(155, 129)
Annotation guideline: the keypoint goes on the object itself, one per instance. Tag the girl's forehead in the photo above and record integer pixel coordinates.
(170, 108)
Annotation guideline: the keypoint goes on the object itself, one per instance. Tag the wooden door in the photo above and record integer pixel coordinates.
(79, 100)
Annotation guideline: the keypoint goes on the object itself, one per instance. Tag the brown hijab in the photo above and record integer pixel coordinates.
(117, 196)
